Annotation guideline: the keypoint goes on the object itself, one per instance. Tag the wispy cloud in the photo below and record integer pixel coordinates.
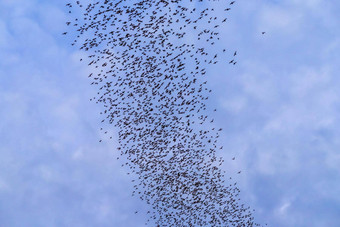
(279, 107)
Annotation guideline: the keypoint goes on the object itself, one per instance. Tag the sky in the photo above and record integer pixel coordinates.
(279, 108)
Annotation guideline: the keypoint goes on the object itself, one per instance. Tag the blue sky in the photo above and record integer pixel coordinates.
(279, 107)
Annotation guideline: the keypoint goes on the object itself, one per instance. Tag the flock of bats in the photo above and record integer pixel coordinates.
(149, 60)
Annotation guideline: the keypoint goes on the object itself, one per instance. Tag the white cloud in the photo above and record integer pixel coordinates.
(283, 209)
(234, 105)
(276, 19)
(285, 136)
(283, 127)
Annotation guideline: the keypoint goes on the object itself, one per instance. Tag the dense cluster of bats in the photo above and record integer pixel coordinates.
(149, 60)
